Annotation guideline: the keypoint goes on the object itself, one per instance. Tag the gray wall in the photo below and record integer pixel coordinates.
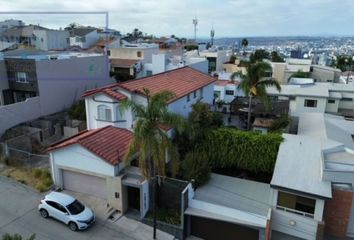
(4, 84)
(62, 82)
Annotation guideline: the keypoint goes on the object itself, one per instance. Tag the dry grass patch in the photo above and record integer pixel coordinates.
(38, 178)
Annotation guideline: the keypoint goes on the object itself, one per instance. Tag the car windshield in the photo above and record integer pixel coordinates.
(75, 207)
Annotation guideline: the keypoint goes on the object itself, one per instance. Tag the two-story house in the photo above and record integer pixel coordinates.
(92, 161)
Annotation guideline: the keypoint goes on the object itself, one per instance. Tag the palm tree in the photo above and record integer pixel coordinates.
(244, 44)
(254, 84)
(150, 141)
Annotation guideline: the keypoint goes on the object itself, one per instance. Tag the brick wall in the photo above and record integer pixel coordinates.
(268, 230)
(337, 212)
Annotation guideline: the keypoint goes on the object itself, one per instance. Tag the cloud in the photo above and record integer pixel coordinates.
(229, 17)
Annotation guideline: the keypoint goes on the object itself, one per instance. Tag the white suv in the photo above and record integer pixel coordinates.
(67, 210)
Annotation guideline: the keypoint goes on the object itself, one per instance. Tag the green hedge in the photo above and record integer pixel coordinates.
(227, 148)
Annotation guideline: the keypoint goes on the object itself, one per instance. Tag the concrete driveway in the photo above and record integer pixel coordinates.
(19, 214)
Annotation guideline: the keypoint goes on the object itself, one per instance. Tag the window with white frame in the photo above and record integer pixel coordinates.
(201, 93)
(188, 98)
(21, 77)
(194, 94)
(104, 113)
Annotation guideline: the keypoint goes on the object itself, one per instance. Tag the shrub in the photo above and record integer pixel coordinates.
(46, 173)
(227, 148)
(196, 166)
(41, 187)
(77, 111)
(37, 173)
(47, 182)
(16, 236)
(279, 124)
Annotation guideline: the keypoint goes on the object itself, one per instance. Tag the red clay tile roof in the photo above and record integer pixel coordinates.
(110, 143)
(181, 82)
(106, 90)
(225, 82)
(123, 63)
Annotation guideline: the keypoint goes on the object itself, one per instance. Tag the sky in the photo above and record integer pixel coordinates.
(229, 18)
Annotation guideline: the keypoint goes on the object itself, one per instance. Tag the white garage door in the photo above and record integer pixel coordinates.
(84, 183)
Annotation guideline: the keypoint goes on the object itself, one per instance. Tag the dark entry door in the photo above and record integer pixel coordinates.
(209, 229)
(134, 198)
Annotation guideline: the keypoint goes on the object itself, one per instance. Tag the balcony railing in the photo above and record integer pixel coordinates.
(305, 214)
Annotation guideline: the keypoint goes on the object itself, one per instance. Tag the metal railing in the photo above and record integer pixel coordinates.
(305, 214)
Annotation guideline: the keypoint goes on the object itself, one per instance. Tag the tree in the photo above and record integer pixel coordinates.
(244, 44)
(259, 55)
(275, 57)
(254, 84)
(150, 142)
(16, 236)
(233, 58)
(344, 62)
(196, 167)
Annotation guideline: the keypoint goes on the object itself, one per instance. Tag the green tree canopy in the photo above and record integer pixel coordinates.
(150, 141)
(275, 57)
(259, 55)
(255, 82)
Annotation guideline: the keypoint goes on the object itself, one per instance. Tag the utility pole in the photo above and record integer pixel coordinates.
(195, 23)
(212, 34)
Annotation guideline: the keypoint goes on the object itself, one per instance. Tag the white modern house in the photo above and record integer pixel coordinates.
(52, 39)
(83, 37)
(216, 57)
(91, 162)
(189, 85)
(162, 62)
(333, 98)
(313, 179)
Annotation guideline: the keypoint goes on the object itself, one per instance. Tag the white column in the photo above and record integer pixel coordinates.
(319, 209)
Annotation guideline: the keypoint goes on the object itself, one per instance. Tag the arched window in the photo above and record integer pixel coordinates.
(104, 113)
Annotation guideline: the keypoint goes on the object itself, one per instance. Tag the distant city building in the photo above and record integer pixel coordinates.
(10, 23)
(83, 37)
(52, 39)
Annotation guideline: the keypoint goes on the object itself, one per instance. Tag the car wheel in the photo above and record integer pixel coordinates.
(73, 226)
(44, 213)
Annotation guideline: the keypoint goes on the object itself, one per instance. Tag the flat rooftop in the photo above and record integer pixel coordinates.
(39, 55)
(236, 193)
(298, 166)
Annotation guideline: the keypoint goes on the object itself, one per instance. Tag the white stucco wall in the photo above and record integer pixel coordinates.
(51, 39)
(75, 157)
(182, 107)
(332, 107)
(300, 108)
(90, 39)
(200, 66)
(119, 118)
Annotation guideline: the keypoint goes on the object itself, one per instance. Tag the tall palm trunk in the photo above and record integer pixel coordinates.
(249, 112)
(154, 181)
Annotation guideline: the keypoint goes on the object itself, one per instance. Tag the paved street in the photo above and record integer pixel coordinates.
(18, 214)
